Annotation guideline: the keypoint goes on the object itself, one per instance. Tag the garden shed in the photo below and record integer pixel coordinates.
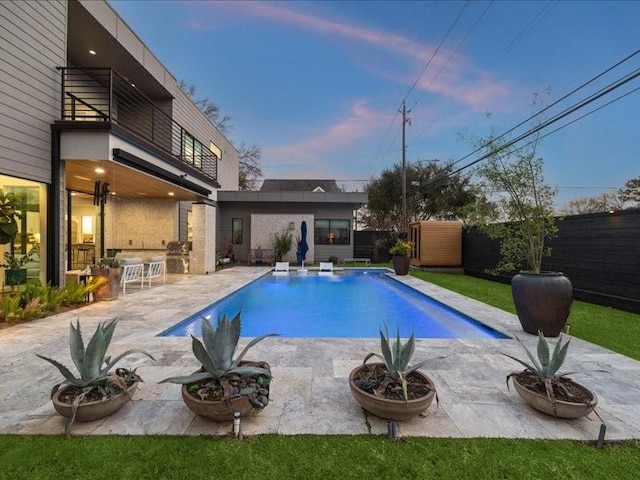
(436, 243)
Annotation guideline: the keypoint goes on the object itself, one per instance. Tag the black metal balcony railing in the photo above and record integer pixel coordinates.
(103, 95)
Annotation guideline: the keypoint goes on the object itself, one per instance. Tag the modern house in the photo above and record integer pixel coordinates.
(106, 152)
(109, 156)
(248, 220)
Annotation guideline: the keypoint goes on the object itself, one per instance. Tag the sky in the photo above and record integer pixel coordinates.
(319, 85)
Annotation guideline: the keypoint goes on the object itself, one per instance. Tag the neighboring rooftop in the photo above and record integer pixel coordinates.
(271, 185)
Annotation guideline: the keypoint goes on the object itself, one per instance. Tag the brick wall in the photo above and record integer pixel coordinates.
(265, 226)
(140, 224)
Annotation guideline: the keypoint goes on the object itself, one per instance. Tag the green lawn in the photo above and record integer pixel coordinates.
(345, 457)
(310, 457)
(613, 329)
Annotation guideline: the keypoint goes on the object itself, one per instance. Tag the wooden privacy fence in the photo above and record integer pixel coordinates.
(600, 253)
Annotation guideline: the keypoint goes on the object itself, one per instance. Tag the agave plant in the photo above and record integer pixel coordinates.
(396, 358)
(216, 352)
(546, 367)
(93, 365)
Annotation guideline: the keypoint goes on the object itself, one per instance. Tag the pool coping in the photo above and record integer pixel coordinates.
(309, 394)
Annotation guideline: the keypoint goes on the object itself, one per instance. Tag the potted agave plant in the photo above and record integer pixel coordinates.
(542, 387)
(224, 385)
(98, 391)
(400, 253)
(392, 389)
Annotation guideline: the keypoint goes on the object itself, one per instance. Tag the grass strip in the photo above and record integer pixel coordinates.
(608, 327)
(310, 457)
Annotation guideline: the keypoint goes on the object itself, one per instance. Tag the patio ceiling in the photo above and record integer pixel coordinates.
(123, 181)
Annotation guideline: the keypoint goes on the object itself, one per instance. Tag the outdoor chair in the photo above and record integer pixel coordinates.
(282, 268)
(326, 268)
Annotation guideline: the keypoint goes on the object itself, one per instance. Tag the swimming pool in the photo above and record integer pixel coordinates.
(355, 304)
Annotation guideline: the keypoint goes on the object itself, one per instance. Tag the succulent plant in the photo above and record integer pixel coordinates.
(91, 362)
(396, 358)
(546, 367)
(93, 366)
(216, 352)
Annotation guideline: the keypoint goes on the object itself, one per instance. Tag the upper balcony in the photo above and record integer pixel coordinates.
(103, 95)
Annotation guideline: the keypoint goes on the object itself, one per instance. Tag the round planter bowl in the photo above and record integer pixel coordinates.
(563, 409)
(391, 409)
(90, 411)
(542, 301)
(218, 411)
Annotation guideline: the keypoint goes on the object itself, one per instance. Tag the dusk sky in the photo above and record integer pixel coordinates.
(318, 85)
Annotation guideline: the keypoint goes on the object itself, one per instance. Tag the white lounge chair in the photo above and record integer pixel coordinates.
(282, 268)
(326, 268)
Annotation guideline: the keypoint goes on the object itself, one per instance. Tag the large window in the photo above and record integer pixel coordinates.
(192, 150)
(332, 232)
(236, 231)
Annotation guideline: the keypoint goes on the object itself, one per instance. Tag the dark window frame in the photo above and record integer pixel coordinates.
(235, 232)
(330, 237)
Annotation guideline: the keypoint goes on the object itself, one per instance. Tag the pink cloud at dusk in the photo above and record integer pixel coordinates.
(458, 79)
(361, 124)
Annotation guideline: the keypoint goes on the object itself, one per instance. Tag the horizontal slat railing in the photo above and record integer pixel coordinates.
(103, 95)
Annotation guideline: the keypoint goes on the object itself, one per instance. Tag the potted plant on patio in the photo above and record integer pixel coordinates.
(392, 389)
(542, 387)
(521, 218)
(108, 274)
(400, 256)
(14, 273)
(224, 385)
(98, 391)
(282, 243)
(13, 263)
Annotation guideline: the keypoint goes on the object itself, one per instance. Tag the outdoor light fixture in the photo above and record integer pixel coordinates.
(171, 194)
(99, 170)
(292, 226)
(92, 52)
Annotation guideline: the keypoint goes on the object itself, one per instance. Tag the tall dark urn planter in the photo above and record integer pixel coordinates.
(400, 264)
(543, 301)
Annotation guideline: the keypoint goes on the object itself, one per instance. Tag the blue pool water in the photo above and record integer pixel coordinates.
(353, 305)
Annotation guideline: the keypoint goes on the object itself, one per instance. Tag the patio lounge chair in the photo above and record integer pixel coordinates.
(326, 268)
(282, 268)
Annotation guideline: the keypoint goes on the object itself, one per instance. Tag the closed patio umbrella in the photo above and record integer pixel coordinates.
(303, 247)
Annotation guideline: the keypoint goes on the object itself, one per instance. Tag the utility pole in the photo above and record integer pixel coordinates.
(405, 120)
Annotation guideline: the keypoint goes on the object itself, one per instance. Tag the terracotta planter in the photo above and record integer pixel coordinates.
(400, 264)
(562, 409)
(90, 411)
(111, 287)
(219, 410)
(542, 301)
(391, 409)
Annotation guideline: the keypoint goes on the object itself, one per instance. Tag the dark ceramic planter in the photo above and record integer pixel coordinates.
(90, 411)
(111, 287)
(542, 301)
(16, 276)
(400, 264)
(391, 409)
(562, 408)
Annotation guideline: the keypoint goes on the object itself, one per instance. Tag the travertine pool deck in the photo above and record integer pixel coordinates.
(309, 393)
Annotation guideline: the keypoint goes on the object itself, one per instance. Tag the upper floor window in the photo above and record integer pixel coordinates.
(215, 150)
(191, 150)
(332, 232)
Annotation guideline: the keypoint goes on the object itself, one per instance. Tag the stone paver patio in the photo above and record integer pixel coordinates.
(309, 393)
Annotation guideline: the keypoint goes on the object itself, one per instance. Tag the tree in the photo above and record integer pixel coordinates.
(631, 191)
(521, 216)
(208, 108)
(599, 203)
(432, 192)
(250, 170)
(249, 155)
